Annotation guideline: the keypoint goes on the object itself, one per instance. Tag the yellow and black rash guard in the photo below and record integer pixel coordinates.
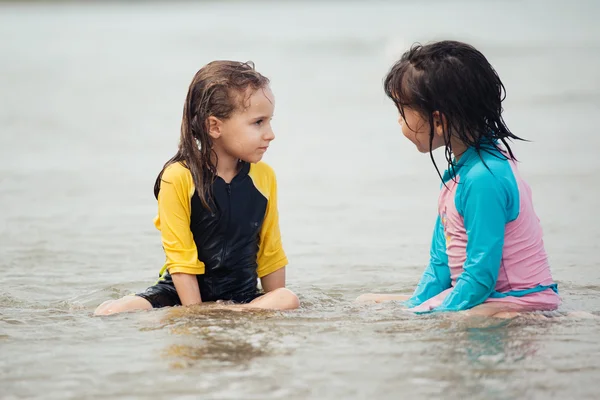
(229, 246)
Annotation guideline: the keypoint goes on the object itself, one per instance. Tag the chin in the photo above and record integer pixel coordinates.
(252, 159)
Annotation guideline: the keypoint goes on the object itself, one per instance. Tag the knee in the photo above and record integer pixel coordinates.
(288, 299)
(104, 308)
(365, 298)
(506, 314)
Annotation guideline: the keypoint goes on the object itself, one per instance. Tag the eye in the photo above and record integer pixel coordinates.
(259, 122)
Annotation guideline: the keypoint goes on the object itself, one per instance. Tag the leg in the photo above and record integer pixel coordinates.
(486, 310)
(381, 298)
(496, 310)
(162, 294)
(278, 299)
(580, 315)
(508, 315)
(127, 303)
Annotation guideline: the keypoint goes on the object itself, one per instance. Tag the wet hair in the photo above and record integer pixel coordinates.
(456, 80)
(218, 89)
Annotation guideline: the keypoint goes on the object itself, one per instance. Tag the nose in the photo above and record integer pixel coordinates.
(269, 134)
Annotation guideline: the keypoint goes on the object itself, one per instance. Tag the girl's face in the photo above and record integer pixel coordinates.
(246, 135)
(418, 129)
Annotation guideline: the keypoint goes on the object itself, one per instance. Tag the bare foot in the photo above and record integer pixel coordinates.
(581, 315)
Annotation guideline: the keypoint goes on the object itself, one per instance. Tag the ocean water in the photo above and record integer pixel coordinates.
(90, 105)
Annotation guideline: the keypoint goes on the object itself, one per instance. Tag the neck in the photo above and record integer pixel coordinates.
(458, 148)
(227, 166)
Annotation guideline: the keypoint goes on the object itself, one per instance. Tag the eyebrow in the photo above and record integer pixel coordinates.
(263, 117)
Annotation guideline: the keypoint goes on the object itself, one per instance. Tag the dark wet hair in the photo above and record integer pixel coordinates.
(218, 89)
(456, 80)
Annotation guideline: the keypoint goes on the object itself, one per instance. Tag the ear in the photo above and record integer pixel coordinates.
(214, 126)
(440, 124)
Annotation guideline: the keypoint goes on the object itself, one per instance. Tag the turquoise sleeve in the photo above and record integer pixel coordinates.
(483, 203)
(436, 277)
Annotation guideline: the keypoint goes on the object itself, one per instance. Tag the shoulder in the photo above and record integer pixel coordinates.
(262, 172)
(487, 176)
(487, 170)
(177, 174)
(263, 177)
(262, 169)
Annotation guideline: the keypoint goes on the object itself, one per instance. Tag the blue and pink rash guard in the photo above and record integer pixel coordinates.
(487, 242)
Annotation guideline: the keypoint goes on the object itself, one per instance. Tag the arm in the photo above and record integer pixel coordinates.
(274, 280)
(484, 204)
(187, 288)
(174, 215)
(436, 277)
(271, 256)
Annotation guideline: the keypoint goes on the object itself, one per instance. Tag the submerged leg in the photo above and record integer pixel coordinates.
(278, 299)
(127, 303)
(381, 298)
(497, 310)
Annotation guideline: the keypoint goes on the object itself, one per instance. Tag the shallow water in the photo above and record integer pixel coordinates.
(90, 103)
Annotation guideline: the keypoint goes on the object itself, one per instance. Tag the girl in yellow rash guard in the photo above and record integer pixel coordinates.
(217, 202)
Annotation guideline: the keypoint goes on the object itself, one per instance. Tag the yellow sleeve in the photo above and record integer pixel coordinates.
(173, 221)
(271, 255)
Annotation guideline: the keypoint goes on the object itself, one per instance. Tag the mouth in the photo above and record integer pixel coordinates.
(264, 148)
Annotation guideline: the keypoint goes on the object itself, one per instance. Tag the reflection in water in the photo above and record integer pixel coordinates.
(211, 333)
(468, 355)
(490, 355)
(213, 348)
(494, 344)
